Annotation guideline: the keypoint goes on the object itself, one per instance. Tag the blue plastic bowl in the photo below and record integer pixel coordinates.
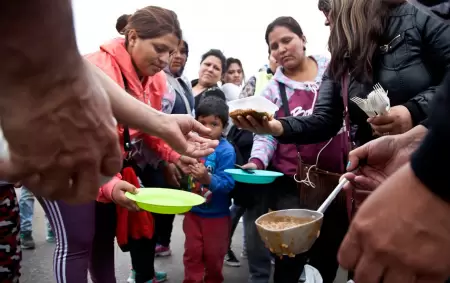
(258, 177)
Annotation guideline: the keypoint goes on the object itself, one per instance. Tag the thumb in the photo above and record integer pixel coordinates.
(130, 188)
(355, 156)
(199, 128)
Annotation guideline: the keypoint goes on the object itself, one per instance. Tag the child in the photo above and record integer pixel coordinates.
(207, 226)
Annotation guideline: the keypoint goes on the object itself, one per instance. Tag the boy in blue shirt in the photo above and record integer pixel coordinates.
(207, 226)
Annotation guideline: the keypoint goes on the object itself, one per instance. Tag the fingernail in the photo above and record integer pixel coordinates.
(349, 164)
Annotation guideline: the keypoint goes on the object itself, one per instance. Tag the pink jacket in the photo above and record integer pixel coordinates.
(115, 61)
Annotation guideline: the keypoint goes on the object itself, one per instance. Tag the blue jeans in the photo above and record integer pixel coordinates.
(26, 208)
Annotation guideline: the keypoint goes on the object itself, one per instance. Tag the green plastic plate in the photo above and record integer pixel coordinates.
(165, 201)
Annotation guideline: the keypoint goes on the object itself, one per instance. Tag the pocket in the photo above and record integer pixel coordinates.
(394, 54)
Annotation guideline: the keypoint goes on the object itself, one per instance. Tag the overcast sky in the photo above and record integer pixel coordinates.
(236, 27)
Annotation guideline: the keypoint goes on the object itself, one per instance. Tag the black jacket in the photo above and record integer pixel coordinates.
(411, 63)
(430, 161)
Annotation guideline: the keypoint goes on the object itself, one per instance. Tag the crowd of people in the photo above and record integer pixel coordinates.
(131, 119)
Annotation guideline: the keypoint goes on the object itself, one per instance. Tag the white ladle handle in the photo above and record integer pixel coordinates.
(332, 196)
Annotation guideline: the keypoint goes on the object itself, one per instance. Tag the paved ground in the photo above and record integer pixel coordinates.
(37, 264)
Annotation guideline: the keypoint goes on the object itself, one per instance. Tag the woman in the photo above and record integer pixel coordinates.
(408, 54)
(234, 72)
(294, 89)
(212, 67)
(167, 174)
(84, 237)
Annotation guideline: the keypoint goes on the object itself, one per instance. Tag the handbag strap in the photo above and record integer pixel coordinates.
(183, 95)
(344, 88)
(285, 104)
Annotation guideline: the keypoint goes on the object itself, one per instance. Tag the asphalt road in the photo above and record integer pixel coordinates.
(37, 264)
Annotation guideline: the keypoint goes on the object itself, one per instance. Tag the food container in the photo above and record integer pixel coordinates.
(290, 241)
(257, 103)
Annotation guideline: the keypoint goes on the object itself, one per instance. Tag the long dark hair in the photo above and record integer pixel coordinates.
(356, 29)
(149, 22)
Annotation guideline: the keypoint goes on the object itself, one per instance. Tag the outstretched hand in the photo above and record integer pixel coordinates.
(183, 133)
(264, 127)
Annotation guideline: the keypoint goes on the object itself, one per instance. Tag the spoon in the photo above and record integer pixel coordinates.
(249, 171)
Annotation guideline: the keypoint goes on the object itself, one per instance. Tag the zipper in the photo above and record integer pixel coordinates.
(385, 48)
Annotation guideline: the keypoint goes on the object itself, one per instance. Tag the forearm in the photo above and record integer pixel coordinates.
(127, 109)
(38, 45)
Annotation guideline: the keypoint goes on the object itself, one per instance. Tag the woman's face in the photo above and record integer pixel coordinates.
(151, 55)
(234, 74)
(178, 59)
(210, 71)
(286, 47)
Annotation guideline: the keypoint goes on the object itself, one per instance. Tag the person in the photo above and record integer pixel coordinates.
(207, 226)
(212, 67)
(26, 208)
(136, 62)
(234, 72)
(419, 186)
(408, 107)
(294, 89)
(80, 153)
(168, 174)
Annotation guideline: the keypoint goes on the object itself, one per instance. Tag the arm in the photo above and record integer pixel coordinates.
(249, 88)
(29, 60)
(436, 45)
(105, 192)
(428, 162)
(323, 124)
(220, 181)
(264, 146)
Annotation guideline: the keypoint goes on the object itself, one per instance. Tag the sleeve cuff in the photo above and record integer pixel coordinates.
(174, 157)
(105, 192)
(415, 111)
(259, 164)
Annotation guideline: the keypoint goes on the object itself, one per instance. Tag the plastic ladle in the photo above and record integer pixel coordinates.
(332, 196)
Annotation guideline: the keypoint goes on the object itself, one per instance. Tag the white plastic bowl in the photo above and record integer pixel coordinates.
(295, 240)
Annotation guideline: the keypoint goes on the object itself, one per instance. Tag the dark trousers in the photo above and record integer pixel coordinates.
(152, 177)
(142, 254)
(163, 228)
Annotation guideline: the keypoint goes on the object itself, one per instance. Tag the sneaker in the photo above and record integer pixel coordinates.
(231, 260)
(244, 254)
(50, 238)
(159, 277)
(27, 241)
(161, 251)
(132, 277)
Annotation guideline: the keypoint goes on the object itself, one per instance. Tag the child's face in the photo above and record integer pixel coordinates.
(214, 124)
